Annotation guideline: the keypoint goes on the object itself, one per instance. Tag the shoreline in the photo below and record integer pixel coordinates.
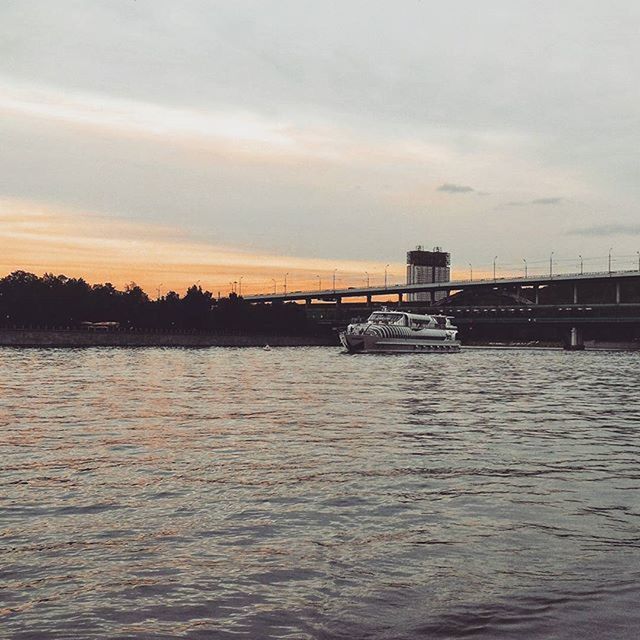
(82, 338)
(76, 338)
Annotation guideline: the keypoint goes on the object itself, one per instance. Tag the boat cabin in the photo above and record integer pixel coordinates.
(411, 320)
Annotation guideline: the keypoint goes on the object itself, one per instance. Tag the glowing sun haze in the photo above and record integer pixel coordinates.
(175, 142)
(102, 249)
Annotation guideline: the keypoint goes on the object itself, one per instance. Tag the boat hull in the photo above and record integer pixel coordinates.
(363, 343)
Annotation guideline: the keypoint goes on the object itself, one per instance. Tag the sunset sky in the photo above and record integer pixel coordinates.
(171, 142)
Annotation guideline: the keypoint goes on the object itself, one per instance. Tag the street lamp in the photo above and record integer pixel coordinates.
(159, 289)
(470, 272)
(285, 283)
(385, 275)
(274, 285)
(638, 252)
(581, 264)
(334, 280)
(525, 267)
(610, 250)
(551, 265)
(366, 273)
(319, 283)
(494, 267)
(240, 286)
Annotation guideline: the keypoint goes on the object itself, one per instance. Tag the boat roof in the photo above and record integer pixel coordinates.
(412, 315)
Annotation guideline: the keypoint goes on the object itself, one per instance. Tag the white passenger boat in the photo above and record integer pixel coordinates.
(400, 332)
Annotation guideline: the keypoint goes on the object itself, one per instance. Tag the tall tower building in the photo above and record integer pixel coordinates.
(424, 267)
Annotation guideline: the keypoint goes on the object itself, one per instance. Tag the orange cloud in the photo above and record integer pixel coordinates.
(40, 238)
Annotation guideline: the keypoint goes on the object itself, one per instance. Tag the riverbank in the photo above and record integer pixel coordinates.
(83, 338)
(589, 345)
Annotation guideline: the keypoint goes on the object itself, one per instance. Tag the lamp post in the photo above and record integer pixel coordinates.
(240, 286)
(334, 280)
(285, 283)
(526, 273)
(581, 264)
(366, 273)
(551, 265)
(159, 289)
(274, 285)
(385, 275)
(319, 283)
(470, 272)
(638, 252)
(235, 287)
(494, 267)
(610, 250)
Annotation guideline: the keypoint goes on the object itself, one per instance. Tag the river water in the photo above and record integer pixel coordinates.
(305, 493)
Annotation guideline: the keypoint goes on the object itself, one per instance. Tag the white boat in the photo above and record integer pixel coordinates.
(400, 332)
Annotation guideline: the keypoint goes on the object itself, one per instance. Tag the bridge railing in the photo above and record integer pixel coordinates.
(451, 284)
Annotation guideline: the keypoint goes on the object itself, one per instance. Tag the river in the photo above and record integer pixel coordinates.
(304, 493)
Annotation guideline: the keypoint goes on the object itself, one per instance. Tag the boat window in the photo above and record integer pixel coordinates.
(387, 318)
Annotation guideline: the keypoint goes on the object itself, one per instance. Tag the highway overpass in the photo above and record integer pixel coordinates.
(401, 290)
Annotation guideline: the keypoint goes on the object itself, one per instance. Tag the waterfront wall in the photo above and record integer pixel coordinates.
(78, 338)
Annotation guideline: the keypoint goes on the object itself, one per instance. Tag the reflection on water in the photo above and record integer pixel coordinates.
(302, 493)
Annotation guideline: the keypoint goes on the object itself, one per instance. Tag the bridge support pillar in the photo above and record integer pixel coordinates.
(576, 342)
(432, 297)
(618, 296)
(575, 293)
(338, 301)
(536, 292)
(307, 302)
(368, 301)
(399, 298)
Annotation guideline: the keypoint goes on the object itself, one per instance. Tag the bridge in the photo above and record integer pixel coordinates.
(572, 320)
(401, 290)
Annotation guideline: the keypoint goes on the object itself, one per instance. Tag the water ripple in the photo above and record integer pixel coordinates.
(301, 493)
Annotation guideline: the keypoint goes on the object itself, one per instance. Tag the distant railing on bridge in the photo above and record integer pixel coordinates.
(400, 288)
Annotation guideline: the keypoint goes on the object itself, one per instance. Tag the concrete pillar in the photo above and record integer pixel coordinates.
(432, 297)
(368, 301)
(575, 293)
(308, 302)
(618, 293)
(536, 290)
(399, 297)
(338, 301)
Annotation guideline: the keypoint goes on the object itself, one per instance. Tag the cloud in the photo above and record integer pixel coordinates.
(38, 237)
(198, 115)
(141, 118)
(455, 188)
(547, 201)
(537, 201)
(608, 230)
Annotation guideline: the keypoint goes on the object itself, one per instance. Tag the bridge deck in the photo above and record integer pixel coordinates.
(453, 285)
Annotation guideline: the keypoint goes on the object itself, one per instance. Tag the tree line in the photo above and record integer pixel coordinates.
(56, 301)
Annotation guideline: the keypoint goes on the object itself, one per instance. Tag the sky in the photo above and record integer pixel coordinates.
(170, 142)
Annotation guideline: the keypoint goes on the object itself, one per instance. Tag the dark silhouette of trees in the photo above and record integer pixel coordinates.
(50, 301)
